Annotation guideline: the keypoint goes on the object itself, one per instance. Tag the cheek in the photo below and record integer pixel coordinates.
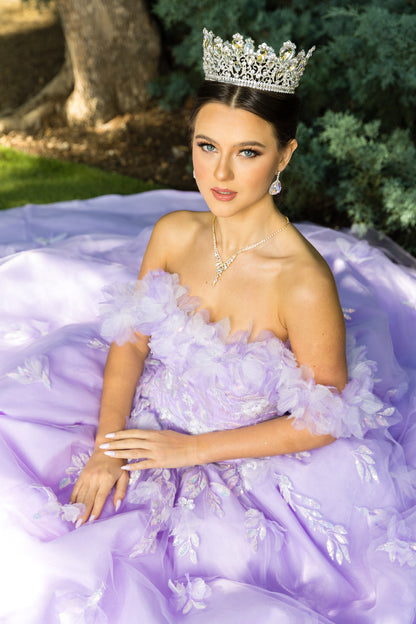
(261, 175)
(200, 164)
(196, 160)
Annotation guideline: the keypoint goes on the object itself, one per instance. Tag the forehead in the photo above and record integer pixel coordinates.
(232, 125)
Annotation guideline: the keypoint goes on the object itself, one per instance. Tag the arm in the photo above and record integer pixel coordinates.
(169, 449)
(314, 322)
(122, 372)
(312, 316)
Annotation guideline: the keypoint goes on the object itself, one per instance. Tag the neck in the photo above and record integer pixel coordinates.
(242, 230)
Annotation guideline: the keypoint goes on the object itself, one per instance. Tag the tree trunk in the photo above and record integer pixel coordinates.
(114, 49)
(30, 115)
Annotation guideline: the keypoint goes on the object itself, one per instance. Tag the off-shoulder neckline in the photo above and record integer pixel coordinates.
(222, 327)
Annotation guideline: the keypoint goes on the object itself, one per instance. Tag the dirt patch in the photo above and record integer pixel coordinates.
(151, 145)
(31, 51)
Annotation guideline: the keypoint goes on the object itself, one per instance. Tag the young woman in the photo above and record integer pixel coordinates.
(240, 472)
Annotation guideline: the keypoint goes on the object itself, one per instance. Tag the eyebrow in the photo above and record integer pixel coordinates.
(243, 144)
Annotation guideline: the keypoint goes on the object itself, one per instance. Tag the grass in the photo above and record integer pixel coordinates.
(26, 179)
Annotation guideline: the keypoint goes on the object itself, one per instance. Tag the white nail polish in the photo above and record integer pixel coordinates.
(105, 446)
(118, 503)
(92, 518)
(110, 453)
(127, 467)
(78, 523)
(110, 435)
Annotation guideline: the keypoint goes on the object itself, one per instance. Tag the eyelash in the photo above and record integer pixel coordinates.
(254, 153)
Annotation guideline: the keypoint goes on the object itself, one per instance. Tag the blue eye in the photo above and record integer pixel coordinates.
(249, 153)
(206, 147)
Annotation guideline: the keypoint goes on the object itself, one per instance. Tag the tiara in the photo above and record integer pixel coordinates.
(239, 63)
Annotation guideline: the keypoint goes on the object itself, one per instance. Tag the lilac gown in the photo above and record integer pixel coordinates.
(322, 536)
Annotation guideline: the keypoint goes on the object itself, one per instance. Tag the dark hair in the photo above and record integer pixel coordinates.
(279, 109)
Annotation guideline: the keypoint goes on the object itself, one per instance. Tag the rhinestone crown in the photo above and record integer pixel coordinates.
(239, 63)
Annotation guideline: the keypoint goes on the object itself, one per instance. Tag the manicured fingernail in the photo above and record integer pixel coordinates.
(118, 503)
(78, 523)
(92, 518)
(110, 435)
(127, 467)
(105, 446)
(110, 453)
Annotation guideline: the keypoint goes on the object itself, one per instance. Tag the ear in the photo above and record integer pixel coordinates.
(286, 154)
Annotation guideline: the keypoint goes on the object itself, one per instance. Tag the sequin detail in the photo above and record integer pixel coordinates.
(156, 494)
(309, 509)
(364, 463)
(99, 345)
(73, 471)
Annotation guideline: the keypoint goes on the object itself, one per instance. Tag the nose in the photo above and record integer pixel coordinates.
(223, 170)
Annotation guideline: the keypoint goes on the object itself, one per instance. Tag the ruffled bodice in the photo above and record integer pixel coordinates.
(200, 378)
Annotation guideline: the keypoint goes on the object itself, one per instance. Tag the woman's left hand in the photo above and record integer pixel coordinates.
(153, 449)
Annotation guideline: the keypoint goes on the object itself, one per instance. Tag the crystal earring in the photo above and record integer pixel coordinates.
(275, 186)
(193, 174)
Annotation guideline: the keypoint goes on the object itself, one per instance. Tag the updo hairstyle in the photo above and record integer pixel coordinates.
(279, 109)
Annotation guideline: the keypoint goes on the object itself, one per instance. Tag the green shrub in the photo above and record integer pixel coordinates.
(357, 157)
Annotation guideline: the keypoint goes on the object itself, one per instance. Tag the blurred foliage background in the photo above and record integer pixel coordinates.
(356, 162)
(357, 158)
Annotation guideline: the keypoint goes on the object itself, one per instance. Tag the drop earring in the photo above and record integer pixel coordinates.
(275, 186)
(193, 174)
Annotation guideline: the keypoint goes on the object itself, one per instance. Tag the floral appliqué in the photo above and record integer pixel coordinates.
(186, 541)
(348, 312)
(255, 524)
(400, 544)
(336, 535)
(77, 608)
(70, 512)
(401, 551)
(364, 463)
(374, 517)
(257, 527)
(34, 370)
(157, 491)
(189, 594)
(99, 345)
(194, 483)
(73, 471)
(252, 471)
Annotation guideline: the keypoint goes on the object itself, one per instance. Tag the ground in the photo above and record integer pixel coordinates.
(151, 145)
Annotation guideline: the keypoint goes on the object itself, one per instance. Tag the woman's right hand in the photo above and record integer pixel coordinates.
(97, 479)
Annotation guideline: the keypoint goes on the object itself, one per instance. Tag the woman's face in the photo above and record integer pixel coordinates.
(235, 156)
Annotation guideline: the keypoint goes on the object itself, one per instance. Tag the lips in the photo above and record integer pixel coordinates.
(223, 194)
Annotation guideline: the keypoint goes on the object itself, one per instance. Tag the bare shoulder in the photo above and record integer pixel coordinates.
(312, 313)
(307, 277)
(172, 233)
(181, 222)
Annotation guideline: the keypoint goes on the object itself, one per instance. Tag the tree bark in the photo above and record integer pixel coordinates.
(114, 48)
(30, 115)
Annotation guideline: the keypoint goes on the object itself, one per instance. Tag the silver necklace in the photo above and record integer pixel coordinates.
(222, 265)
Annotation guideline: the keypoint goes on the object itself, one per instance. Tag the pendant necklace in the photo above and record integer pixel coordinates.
(221, 265)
